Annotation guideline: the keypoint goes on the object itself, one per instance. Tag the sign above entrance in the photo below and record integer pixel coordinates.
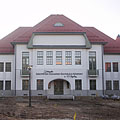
(65, 74)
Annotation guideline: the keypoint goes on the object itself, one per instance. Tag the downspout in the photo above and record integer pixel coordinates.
(15, 69)
(103, 91)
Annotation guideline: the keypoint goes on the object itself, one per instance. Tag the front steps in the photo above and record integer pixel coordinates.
(60, 97)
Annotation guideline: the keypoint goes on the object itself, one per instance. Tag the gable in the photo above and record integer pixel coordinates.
(59, 40)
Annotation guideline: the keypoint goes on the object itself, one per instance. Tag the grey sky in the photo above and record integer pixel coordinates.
(102, 14)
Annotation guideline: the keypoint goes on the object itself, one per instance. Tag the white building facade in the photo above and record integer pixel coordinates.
(66, 60)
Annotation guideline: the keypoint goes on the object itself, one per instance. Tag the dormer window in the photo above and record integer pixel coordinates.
(58, 24)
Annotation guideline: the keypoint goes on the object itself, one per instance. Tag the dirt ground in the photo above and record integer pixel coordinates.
(86, 108)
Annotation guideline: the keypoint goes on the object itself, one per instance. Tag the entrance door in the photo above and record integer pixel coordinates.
(58, 87)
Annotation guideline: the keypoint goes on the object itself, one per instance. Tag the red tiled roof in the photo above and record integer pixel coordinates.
(112, 46)
(24, 34)
(47, 25)
(5, 43)
(115, 46)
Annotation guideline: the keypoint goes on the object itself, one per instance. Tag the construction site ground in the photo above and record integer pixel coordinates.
(86, 108)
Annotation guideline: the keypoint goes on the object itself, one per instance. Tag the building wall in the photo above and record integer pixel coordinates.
(71, 69)
(112, 75)
(65, 72)
(59, 40)
(5, 76)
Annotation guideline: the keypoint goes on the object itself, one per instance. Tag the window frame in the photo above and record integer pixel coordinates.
(78, 87)
(68, 57)
(25, 87)
(25, 61)
(59, 58)
(2, 67)
(91, 60)
(41, 85)
(2, 84)
(107, 68)
(49, 57)
(109, 86)
(6, 87)
(7, 67)
(114, 87)
(91, 84)
(114, 67)
(40, 57)
(77, 57)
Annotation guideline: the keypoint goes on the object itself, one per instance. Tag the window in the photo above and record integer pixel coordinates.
(108, 85)
(58, 24)
(1, 85)
(49, 57)
(25, 84)
(115, 66)
(7, 85)
(1, 66)
(107, 67)
(8, 67)
(58, 57)
(77, 58)
(39, 57)
(92, 60)
(78, 85)
(115, 85)
(25, 61)
(68, 58)
(39, 84)
(92, 84)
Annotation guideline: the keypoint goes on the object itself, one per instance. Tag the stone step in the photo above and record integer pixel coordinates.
(59, 97)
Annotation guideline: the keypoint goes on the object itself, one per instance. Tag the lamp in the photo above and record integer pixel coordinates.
(29, 69)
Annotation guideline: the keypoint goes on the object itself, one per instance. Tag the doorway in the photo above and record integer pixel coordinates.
(58, 87)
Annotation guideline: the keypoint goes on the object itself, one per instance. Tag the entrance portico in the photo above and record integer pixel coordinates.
(59, 87)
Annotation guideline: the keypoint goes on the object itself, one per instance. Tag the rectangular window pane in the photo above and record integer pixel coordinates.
(115, 66)
(68, 58)
(49, 58)
(78, 85)
(25, 62)
(115, 85)
(39, 84)
(1, 66)
(107, 67)
(39, 57)
(8, 67)
(58, 57)
(92, 84)
(25, 84)
(7, 85)
(77, 57)
(1, 85)
(92, 60)
(108, 85)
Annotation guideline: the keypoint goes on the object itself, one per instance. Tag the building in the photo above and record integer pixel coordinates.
(67, 59)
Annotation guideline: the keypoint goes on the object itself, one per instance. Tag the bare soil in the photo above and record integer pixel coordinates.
(86, 108)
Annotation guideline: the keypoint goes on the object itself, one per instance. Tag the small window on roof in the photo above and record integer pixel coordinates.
(58, 24)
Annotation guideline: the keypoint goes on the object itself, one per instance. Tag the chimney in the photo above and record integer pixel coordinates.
(118, 37)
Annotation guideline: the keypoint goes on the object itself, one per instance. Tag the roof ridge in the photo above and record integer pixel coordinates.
(101, 32)
(32, 28)
(10, 33)
(13, 32)
(72, 21)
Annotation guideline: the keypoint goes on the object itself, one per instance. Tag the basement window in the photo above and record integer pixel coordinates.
(58, 24)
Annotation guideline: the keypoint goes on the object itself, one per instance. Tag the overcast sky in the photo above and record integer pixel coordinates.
(102, 14)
